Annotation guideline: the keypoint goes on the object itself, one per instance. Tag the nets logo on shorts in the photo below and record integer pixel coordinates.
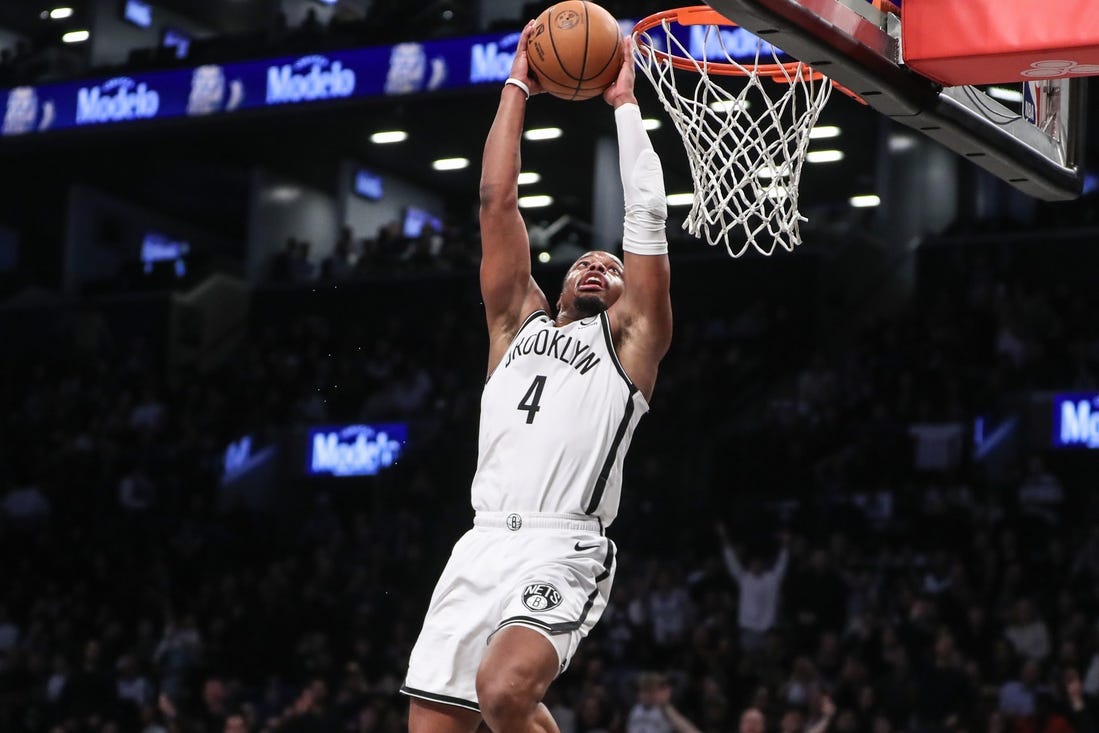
(541, 597)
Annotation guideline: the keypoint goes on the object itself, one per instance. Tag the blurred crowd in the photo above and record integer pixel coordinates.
(391, 250)
(789, 563)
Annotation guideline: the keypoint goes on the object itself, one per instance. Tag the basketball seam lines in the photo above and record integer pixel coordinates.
(553, 42)
(614, 55)
(579, 85)
(587, 40)
(531, 61)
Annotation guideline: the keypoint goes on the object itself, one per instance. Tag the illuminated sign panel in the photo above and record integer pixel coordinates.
(361, 73)
(354, 450)
(1076, 420)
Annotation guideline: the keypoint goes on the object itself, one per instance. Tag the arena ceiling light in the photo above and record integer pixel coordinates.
(726, 105)
(821, 132)
(61, 13)
(651, 123)
(450, 164)
(284, 193)
(865, 201)
(535, 202)
(543, 133)
(824, 156)
(76, 36)
(899, 143)
(681, 199)
(1005, 95)
(769, 171)
(386, 137)
(528, 177)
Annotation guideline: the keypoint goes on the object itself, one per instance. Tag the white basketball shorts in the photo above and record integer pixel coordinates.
(549, 572)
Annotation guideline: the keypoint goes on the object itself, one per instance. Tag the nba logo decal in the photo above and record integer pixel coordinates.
(567, 19)
(541, 597)
(514, 522)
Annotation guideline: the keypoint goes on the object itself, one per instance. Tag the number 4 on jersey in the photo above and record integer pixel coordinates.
(532, 398)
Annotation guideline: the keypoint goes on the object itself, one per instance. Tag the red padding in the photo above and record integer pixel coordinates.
(957, 42)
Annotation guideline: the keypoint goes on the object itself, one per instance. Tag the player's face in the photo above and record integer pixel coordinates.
(592, 284)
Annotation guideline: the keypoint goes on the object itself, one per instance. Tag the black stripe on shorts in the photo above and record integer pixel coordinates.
(445, 699)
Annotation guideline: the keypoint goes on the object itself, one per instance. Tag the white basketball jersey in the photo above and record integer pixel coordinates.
(557, 416)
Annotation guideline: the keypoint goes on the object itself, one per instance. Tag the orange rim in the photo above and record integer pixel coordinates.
(785, 73)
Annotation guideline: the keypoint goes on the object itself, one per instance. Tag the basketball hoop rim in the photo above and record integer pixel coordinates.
(783, 73)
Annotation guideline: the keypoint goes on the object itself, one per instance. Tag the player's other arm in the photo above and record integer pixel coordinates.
(508, 290)
(645, 310)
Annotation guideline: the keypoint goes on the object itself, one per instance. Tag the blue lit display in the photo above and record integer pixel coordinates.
(400, 69)
(1076, 420)
(139, 13)
(177, 39)
(368, 184)
(354, 450)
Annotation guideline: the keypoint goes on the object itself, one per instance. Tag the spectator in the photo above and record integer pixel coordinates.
(818, 599)
(1028, 633)
(340, 264)
(1040, 493)
(1044, 720)
(302, 269)
(653, 712)
(9, 631)
(759, 590)
(803, 685)
(26, 506)
(131, 686)
(1080, 714)
(670, 610)
(1017, 696)
(177, 655)
(752, 721)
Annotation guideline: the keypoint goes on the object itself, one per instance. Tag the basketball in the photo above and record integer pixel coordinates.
(575, 50)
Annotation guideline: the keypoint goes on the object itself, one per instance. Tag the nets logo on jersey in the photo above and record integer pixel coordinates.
(541, 597)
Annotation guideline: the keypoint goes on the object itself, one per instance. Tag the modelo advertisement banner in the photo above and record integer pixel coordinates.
(354, 450)
(1075, 420)
(214, 89)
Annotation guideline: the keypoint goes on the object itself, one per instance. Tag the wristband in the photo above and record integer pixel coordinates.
(518, 83)
(648, 249)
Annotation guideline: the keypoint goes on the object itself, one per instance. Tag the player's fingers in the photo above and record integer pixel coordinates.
(524, 37)
(628, 63)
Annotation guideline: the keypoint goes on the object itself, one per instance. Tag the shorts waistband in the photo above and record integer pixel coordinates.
(516, 521)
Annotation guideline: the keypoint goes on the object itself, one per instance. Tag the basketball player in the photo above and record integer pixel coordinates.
(560, 404)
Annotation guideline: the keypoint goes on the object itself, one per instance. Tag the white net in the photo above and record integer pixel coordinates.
(745, 147)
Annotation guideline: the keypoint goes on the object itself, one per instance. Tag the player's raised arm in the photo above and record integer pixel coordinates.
(644, 314)
(509, 291)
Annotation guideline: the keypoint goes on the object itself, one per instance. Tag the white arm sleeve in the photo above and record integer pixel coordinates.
(643, 230)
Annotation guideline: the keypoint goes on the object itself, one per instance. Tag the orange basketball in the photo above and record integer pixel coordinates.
(575, 50)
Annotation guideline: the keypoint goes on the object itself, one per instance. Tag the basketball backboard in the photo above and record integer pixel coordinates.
(858, 45)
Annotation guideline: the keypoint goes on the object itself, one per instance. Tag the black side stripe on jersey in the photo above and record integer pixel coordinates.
(606, 321)
(531, 317)
(605, 471)
(434, 697)
(526, 322)
(566, 627)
